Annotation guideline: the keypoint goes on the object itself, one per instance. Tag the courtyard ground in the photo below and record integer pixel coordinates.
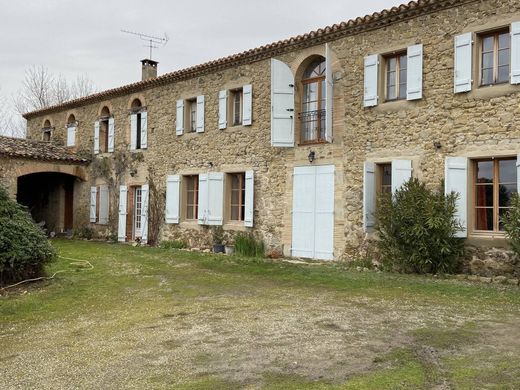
(148, 318)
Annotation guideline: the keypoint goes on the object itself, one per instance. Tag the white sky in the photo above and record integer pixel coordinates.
(83, 37)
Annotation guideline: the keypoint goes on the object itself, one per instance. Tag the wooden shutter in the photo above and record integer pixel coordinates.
(200, 114)
(456, 180)
(463, 62)
(96, 137)
(203, 199)
(371, 78)
(133, 132)
(103, 205)
(215, 198)
(249, 199)
(179, 124)
(144, 130)
(414, 71)
(93, 204)
(247, 105)
(123, 204)
(71, 135)
(401, 173)
(324, 213)
(518, 173)
(172, 198)
(369, 196)
(329, 93)
(111, 135)
(303, 211)
(515, 53)
(282, 105)
(222, 109)
(145, 199)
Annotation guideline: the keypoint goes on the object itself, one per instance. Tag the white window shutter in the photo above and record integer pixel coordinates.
(145, 198)
(414, 79)
(173, 198)
(247, 105)
(133, 132)
(371, 77)
(200, 114)
(249, 206)
(518, 173)
(71, 135)
(401, 173)
(123, 204)
(369, 196)
(111, 135)
(96, 137)
(329, 93)
(456, 180)
(144, 130)
(515, 53)
(215, 198)
(222, 109)
(93, 204)
(282, 105)
(103, 205)
(179, 120)
(463, 62)
(203, 199)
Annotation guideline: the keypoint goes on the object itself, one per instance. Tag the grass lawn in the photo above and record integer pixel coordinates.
(148, 318)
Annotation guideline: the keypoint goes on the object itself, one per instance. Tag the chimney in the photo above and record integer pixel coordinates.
(149, 69)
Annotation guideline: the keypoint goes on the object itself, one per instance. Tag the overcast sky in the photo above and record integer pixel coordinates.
(84, 37)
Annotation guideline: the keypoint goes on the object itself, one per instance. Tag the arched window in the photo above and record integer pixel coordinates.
(71, 130)
(103, 129)
(46, 131)
(313, 102)
(138, 126)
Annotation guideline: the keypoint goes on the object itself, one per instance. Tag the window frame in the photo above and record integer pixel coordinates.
(190, 107)
(380, 171)
(495, 34)
(241, 197)
(320, 104)
(386, 61)
(233, 93)
(186, 196)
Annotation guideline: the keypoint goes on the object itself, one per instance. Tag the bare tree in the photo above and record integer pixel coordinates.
(11, 124)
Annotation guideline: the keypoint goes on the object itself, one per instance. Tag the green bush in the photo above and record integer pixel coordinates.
(24, 248)
(511, 221)
(174, 244)
(85, 232)
(417, 228)
(247, 245)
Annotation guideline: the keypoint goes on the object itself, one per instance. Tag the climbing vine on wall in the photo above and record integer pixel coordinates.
(156, 201)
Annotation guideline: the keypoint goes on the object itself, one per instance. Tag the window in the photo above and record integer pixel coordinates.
(99, 205)
(495, 182)
(495, 58)
(236, 109)
(103, 130)
(395, 76)
(47, 131)
(312, 115)
(237, 198)
(385, 178)
(192, 196)
(192, 115)
(71, 130)
(139, 126)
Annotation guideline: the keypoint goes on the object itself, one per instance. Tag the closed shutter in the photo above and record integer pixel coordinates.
(324, 213)
(249, 207)
(172, 198)
(179, 125)
(144, 130)
(121, 226)
(401, 173)
(303, 212)
(515, 53)
(71, 135)
(518, 173)
(371, 77)
(456, 180)
(200, 114)
(215, 198)
(93, 204)
(103, 205)
(96, 137)
(463, 62)
(414, 79)
(133, 132)
(203, 199)
(111, 135)
(222, 109)
(369, 196)
(247, 107)
(145, 196)
(282, 105)
(329, 93)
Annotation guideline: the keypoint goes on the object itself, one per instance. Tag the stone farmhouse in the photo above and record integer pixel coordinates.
(293, 140)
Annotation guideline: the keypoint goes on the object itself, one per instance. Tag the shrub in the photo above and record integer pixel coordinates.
(85, 232)
(174, 244)
(247, 245)
(24, 248)
(511, 221)
(417, 228)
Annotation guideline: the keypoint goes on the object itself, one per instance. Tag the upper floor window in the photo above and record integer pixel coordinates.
(236, 108)
(495, 58)
(138, 126)
(312, 114)
(192, 115)
(396, 76)
(47, 131)
(71, 130)
(103, 130)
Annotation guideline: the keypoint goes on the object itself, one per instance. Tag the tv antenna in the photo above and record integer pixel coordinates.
(152, 42)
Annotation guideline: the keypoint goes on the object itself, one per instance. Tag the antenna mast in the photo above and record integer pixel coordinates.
(152, 41)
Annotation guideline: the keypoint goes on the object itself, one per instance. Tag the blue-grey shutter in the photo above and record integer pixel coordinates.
(222, 109)
(96, 137)
(401, 173)
(282, 105)
(515, 53)
(144, 130)
(371, 77)
(249, 204)
(103, 205)
(179, 128)
(456, 180)
(123, 204)
(172, 198)
(369, 195)
(200, 114)
(414, 72)
(111, 135)
(247, 107)
(329, 93)
(463, 62)
(145, 195)
(93, 204)
(133, 131)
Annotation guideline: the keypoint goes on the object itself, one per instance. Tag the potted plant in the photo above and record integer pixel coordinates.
(218, 240)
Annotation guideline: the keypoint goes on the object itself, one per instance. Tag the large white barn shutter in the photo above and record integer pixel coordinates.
(401, 173)
(172, 198)
(111, 134)
(282, 105)
(71, 135)
(144, 130)
(414, 79)
(369, 195)
(133, 132)
(203, 199)
(324, 213)
(200, 114)
(103, 205)
(93, 204)
(329, 93)
(463, 62)
(96, 137)
(215, 198)
(123, 204)
(456, 180)
(371, 77)
(222, 109)
(179, 125)
(515, 53)
(247, 107)
(145, 195)
(249, 205)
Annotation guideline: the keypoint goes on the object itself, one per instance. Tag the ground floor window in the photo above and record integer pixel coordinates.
(237, 198)
(385, 177)
(192, 196)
